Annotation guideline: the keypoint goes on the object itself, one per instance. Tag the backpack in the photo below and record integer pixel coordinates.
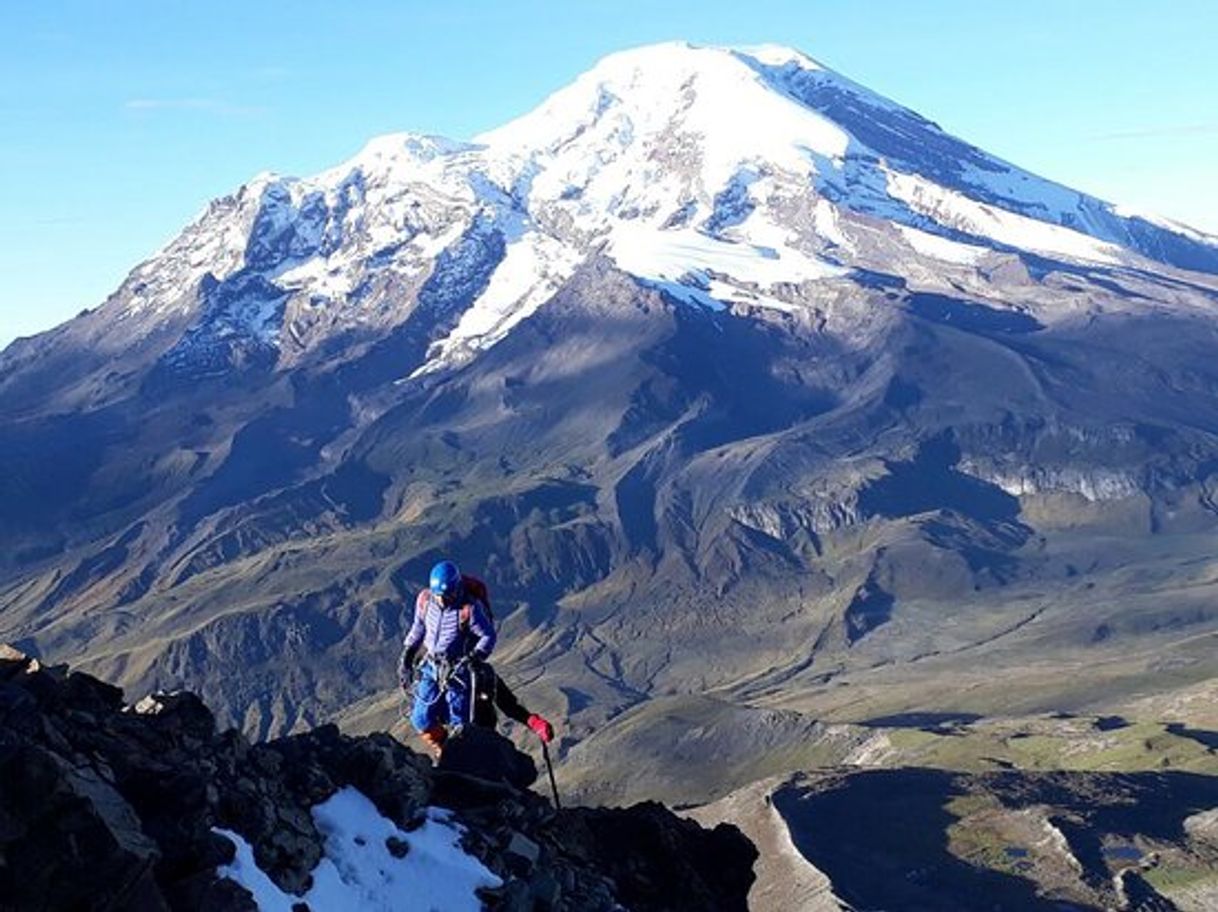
(486, 684)
(476, 588)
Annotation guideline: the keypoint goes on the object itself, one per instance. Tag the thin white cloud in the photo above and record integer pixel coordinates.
(206, 105)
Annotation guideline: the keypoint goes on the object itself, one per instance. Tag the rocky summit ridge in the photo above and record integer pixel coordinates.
(106, 806)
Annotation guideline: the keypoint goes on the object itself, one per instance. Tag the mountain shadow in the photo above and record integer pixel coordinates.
(881, 838)
(970, 316)
(930, 481)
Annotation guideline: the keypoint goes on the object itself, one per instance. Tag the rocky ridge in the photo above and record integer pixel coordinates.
(107, 806)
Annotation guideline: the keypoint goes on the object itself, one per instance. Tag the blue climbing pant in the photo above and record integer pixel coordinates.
(438, 705)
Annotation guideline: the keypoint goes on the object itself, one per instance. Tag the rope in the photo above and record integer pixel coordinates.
(445, 672)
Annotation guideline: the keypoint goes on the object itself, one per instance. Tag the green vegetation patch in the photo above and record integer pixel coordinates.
(1038, 744)
(1174, 878)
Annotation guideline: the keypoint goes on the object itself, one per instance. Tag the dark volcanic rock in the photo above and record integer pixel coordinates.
(179, 712)
(60, 823)
(647, 856)
(105, 808)
(487, 755)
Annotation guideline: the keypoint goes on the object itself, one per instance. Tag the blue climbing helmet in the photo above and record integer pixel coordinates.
(445, 582)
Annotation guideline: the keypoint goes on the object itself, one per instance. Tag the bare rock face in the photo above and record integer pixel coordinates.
(643, 854)
(104, 806)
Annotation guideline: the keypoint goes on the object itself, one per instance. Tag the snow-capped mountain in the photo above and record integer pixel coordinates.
(708, 327)
(721, 176)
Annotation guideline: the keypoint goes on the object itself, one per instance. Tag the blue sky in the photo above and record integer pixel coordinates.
(119, 120)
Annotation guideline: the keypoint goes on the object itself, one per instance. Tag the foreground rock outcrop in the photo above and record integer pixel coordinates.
(105, 805)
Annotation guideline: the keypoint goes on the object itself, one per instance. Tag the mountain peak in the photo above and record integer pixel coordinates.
(688, 55)
(656, 91)
(780, 55)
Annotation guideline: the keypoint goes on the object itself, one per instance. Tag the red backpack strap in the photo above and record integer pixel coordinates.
(476, 588)
(420, 604)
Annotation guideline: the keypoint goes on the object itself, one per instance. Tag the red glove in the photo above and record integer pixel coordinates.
(545, 731)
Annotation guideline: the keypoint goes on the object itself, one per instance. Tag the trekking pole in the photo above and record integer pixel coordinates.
(473, 692)
(545, 752)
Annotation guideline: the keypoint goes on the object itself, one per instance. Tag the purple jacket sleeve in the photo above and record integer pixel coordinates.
(483, 628)
(418, 627)
(414, 638)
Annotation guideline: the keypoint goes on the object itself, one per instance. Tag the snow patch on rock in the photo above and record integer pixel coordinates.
(359, 870)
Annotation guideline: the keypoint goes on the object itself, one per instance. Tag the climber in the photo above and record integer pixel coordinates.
(491, 693)
(454, 626)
